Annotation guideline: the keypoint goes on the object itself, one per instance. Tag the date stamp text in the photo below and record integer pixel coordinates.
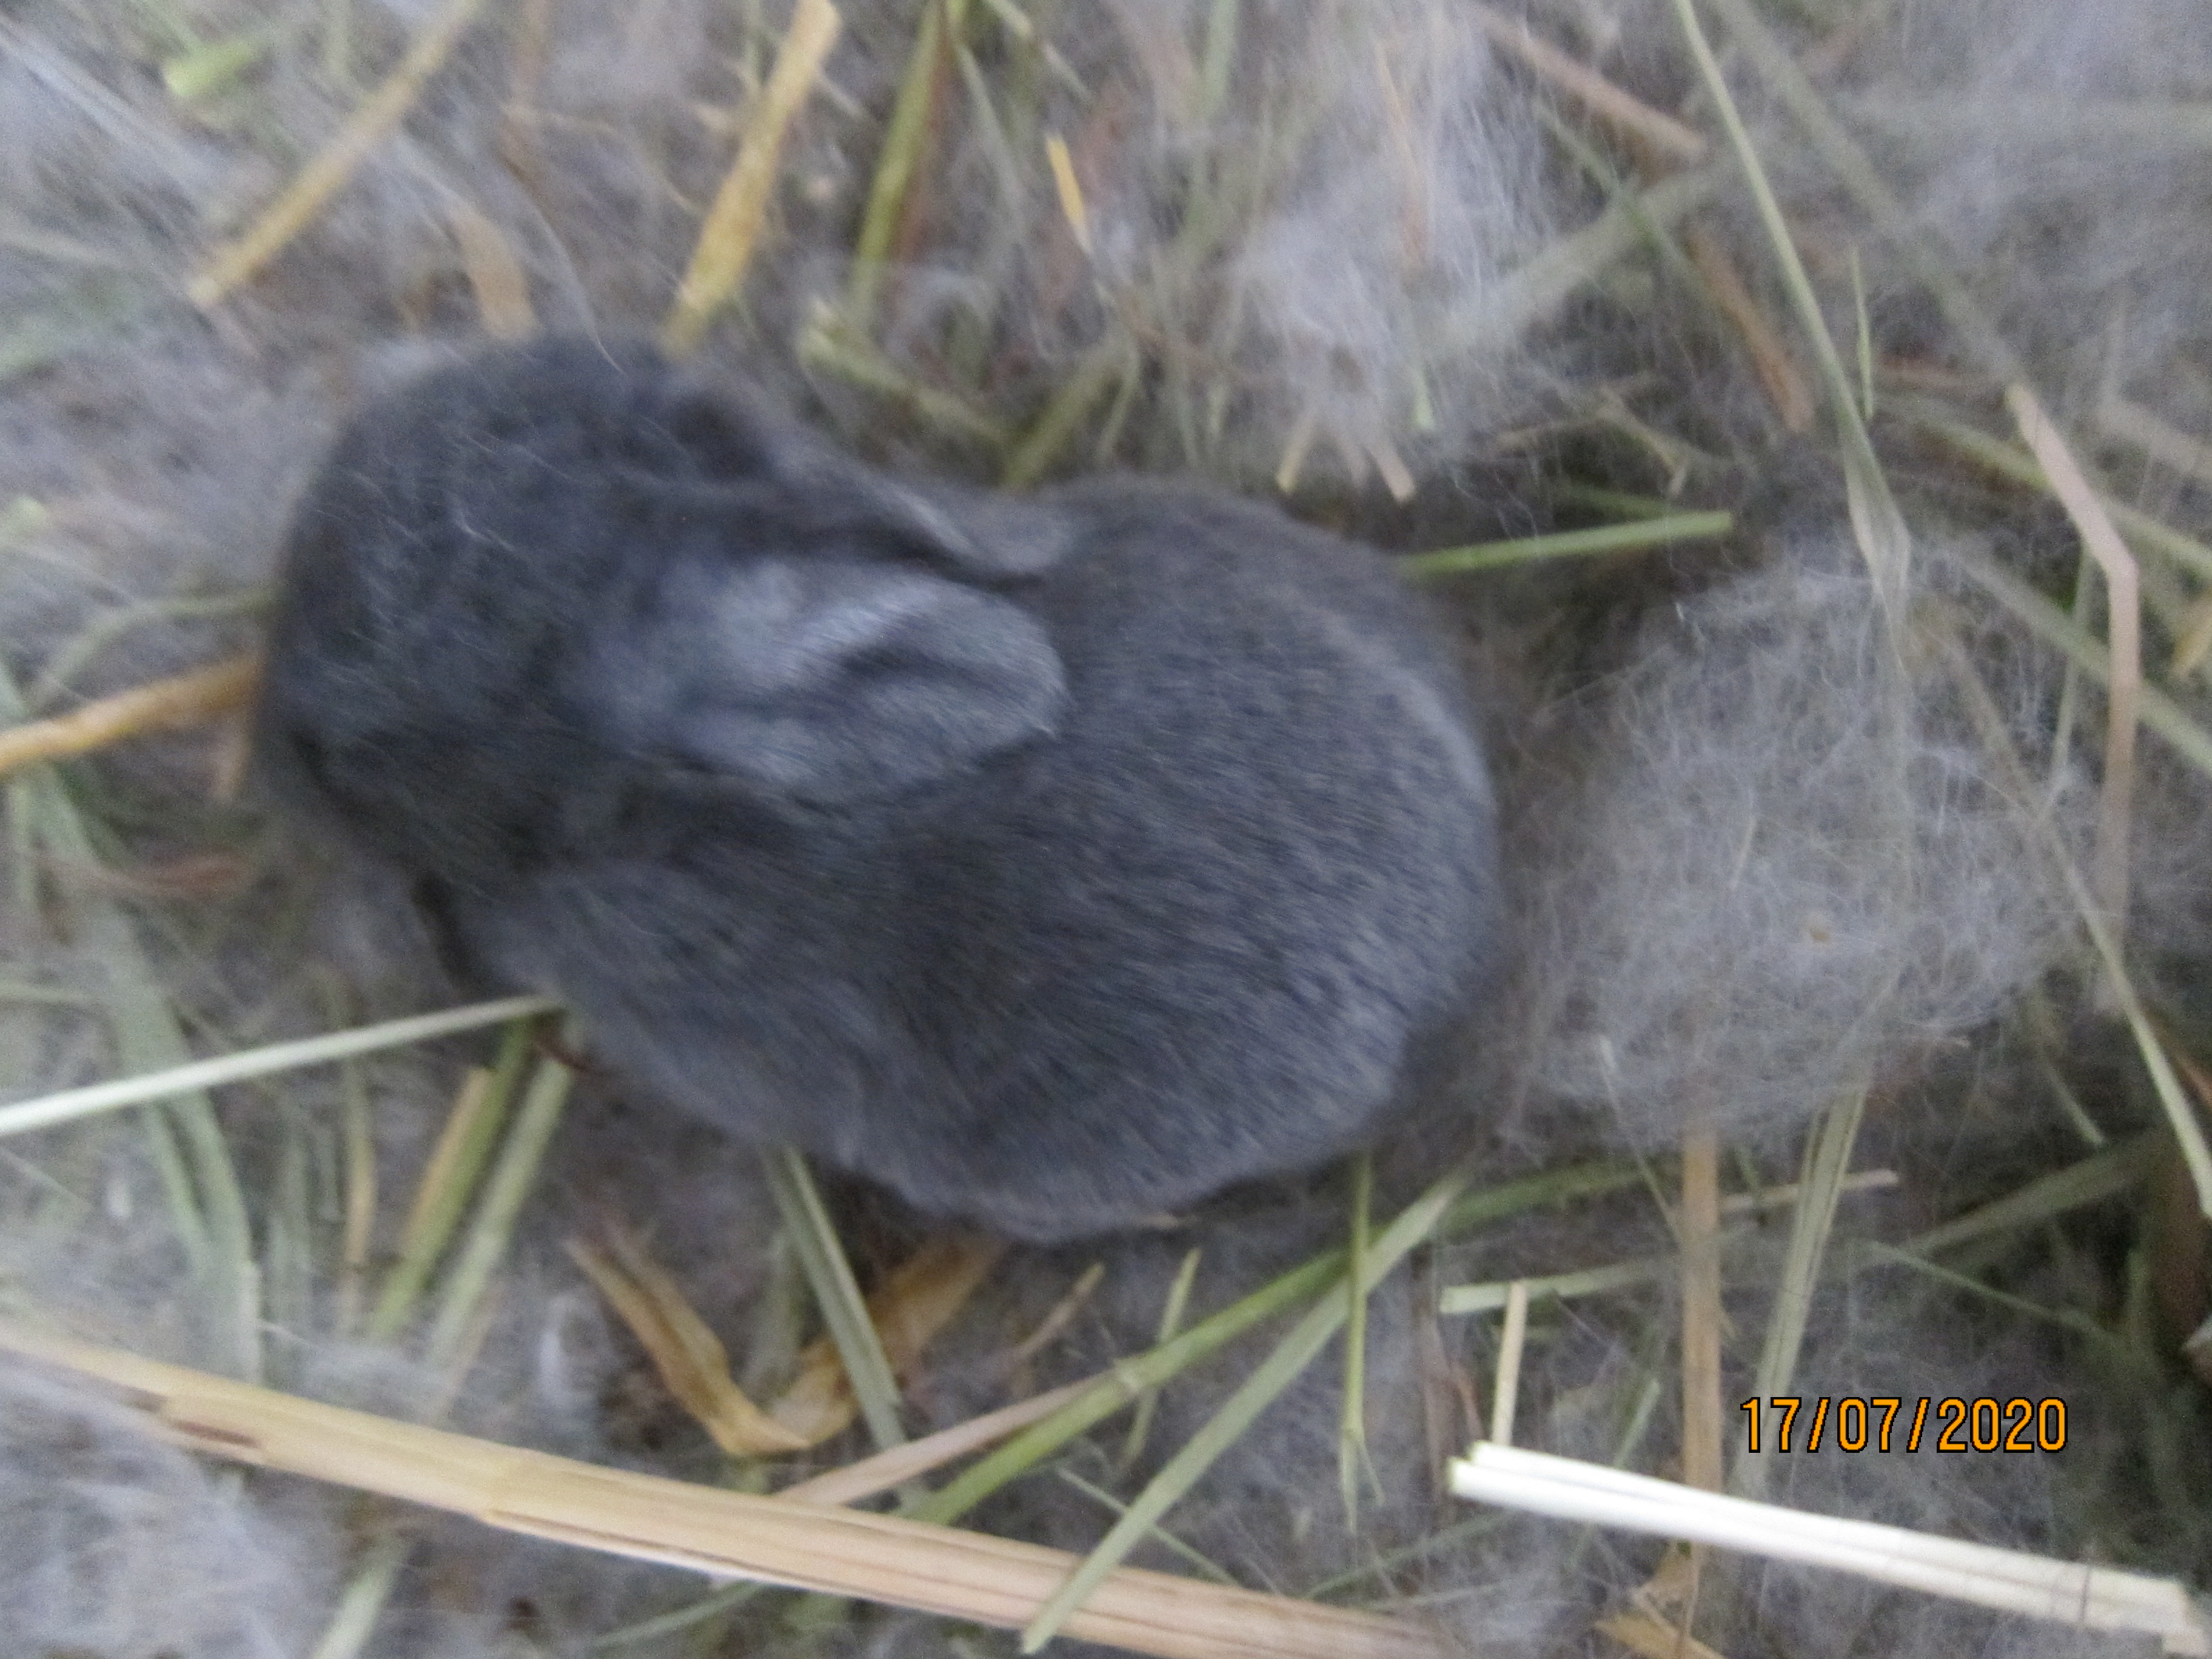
(1788, 1423)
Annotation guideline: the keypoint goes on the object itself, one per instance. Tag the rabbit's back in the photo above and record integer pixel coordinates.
(1190, 939)
(1055, 861)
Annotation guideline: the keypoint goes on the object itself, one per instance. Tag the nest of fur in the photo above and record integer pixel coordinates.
(1791, 819)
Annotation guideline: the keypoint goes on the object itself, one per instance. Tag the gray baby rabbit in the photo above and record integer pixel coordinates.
(1055, 861)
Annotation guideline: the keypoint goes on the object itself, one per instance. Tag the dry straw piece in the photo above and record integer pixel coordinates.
(188, 699)
(2066, 1592)
(1497, 262)
(2109, 876)
(21, 1116)
(801, 1545)
(377, 118)
(733, 224)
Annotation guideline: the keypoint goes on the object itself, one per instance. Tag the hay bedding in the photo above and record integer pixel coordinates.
(1794, 809)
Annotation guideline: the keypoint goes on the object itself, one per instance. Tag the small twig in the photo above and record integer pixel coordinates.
(1634, 119)
(200, 1074)
(188, 699)
(1699, 1223)
(2124, 688)
(689, 1357)
(902, 1317)
(1445, 1425)
(1062, 1314)
(1505, 1395)
(379, 116)
(495, 276)
(2160, 713)
(2188, 1128)
(1771, 358)
(1069, 189)
(732, 226)
(901, 1464)
(2017, 466)
(1397, 478)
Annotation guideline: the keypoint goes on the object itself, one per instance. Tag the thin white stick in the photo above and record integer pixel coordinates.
(2087, 1597)
(94, 1098)
(1507, 1396)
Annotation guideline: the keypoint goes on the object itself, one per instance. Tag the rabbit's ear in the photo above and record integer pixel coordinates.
(731, 435)
(969, 533)
(983, 535)
(836, 684)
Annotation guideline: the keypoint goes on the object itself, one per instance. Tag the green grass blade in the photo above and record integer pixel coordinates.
(1276, 1372)
(1538, 288)
(904, 139)
(1106, 1500)
(1826, 1161)
(187, 1139)
(505, 1191)
(1883, 539)
(2145, 533)
(1795, 92)
(1490, 1296)
(2103, 1175)
(1352, 1431)
(2067, 1318)
(1571, 544)
(361, 1604)
(1178, 1301)
(441, 1210)
(1129, 1380)
(172, 1080)
(836, 1293)
(1132, 1377)
(2159, 712)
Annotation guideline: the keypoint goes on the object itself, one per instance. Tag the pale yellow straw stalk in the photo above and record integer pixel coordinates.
(2066, 1592)
(733, 223)
(378, 118)
(193, 698)
(724, 1534)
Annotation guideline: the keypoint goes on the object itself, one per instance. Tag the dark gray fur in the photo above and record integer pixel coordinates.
(1056, 861)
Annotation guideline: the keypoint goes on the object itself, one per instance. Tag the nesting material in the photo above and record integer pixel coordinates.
(1793, 866)
(2091, 1598)
(1824, 885)
(97, 1097)
(804, 1546)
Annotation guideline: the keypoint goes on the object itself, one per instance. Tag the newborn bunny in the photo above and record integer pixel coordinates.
(1056, 860)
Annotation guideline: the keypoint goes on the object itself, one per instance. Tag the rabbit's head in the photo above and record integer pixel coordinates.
(528, 591)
